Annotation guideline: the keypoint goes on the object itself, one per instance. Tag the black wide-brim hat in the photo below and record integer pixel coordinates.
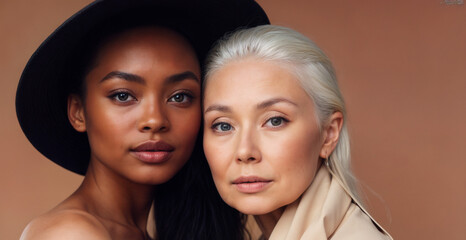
(41, 97)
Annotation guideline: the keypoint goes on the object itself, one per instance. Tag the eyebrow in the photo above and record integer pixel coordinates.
(262, 105)
(220, 108)
(138, 79)
(270, 102)
(182, 76)
(125, 76)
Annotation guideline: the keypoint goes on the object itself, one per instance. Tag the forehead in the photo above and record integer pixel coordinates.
(254, 80)
(151, 53)
(158, 39)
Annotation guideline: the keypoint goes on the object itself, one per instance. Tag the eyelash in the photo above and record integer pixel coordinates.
(185, 95)
(215, 126)
(219, 124)
(114, 96)
(283, 121)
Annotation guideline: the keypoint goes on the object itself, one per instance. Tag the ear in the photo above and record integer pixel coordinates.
(76, 113)
(331, 134)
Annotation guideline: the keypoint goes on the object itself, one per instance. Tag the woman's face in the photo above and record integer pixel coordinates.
(261, 137)
(142, 105)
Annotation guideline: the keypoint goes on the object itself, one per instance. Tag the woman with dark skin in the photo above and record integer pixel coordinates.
(148, 93)
(131, 84)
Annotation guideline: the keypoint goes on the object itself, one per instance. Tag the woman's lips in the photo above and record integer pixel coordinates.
(153, 151)
(251, 184)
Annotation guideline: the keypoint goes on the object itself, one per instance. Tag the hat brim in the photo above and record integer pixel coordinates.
(41, 101)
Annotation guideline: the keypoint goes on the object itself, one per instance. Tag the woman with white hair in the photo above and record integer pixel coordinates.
(276, 140)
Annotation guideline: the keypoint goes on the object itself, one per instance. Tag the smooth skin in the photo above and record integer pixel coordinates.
(260, 124)
(145, 87)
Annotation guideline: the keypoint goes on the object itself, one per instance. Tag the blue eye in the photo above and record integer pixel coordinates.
(222, 127)
(180, 98)
(276, 121)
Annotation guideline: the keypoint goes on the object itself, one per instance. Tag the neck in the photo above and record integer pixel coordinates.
(267, 222)
(115, 199)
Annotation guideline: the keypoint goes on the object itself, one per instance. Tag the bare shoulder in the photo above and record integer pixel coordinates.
(65, 224)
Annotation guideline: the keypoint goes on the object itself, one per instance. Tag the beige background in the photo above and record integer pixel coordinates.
(402, 69)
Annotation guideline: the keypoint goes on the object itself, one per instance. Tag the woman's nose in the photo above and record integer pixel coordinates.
(154, 118)
(248, 150)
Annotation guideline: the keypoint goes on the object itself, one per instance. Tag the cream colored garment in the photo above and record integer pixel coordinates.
(326, 211)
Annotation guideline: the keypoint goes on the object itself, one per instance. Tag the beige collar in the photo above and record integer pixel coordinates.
(326, 211)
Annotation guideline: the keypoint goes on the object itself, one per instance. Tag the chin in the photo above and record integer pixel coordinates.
(154, 177)
(255, 211)
(150, 180)
(253, 207)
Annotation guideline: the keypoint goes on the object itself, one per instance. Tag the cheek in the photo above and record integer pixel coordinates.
(218, 158)
(106, 125)
(219, 167)
(295, 159)
(212, 153)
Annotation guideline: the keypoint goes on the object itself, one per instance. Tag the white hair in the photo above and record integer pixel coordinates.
(313, 70)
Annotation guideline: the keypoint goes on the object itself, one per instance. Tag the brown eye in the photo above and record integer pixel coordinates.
(180, 98)
(122, 97)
